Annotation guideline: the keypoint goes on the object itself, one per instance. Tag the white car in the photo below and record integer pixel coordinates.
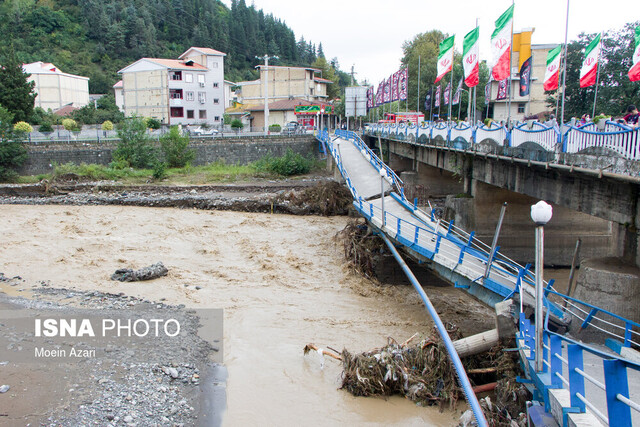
(201, 131)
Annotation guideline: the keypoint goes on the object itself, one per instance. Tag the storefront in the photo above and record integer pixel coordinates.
(310, 116)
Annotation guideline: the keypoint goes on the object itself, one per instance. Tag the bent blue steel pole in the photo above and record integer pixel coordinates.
(455, 359)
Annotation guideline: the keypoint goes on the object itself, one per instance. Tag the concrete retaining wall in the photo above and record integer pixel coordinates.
(41, 159)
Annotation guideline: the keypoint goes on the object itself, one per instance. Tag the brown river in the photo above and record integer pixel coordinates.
(282, 284)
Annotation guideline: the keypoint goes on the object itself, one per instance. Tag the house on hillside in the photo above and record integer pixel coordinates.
(55, 88)
(187, 90)
(284, 83)
(533, 103)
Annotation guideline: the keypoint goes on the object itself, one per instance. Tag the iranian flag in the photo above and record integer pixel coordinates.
(552, 72)
(470, 58)
(501, 45)
(634, 72)
(445, 58)
(590, 63)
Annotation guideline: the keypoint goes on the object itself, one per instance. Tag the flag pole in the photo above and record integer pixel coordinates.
(418, 102)
(510, 81)
(431, 105)
(564, 73)
(474, 90)
(595, 96)
(450, 97)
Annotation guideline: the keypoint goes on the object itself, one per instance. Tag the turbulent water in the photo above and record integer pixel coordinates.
(280, 280)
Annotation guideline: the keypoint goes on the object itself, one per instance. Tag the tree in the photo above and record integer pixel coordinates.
(16, 93)
(12, 152)
(333, 90)
(174, 147)
(134, 146)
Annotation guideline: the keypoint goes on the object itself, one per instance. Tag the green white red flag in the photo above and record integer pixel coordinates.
(445, 58)
(634, 72)
(501, 45)
(552, 73)
(470, 58)
(589, 68)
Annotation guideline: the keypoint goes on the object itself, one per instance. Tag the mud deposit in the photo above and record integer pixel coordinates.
(280, 280)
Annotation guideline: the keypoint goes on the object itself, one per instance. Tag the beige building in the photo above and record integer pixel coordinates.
(56, 89)
(535, 102)
(306, 113)
(187, 90)
(284, 83)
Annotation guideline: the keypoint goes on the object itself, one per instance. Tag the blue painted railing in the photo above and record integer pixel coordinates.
(619, 138)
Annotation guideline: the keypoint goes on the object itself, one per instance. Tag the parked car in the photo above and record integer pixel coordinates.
(291, 128)
(202, 131)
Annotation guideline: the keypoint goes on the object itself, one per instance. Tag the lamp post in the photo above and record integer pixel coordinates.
(541, 213)
(383, 174)
(266, 90)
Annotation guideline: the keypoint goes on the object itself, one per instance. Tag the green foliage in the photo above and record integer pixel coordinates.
(23, 127)
(107, 125)
(174, 147)
(16, 93)
(159, 170)
(236, 124)
(69, 124)
(12, 152)
(275, 128)
(153, 123)
(45, 127)
(99, 172)
(40, 116)
(134, 146)
(226, 118)
(289, 164)
(599, 117)
(105, 109)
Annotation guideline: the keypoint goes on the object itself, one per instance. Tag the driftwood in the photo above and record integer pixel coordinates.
(147, 273)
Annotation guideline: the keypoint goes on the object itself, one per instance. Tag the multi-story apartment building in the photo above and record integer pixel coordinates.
(284, 83)
(187, 90)
(56, 89)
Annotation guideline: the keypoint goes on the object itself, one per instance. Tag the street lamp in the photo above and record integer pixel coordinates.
(383, 175)
(266, 90)
(541, 213)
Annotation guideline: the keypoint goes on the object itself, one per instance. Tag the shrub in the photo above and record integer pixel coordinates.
(174, 147)
(236, 124)
(12, 152)
(46, 127)
(159, 170)
(289, 164)
(69, 124)
(152, 123)
(107, 125)
(134, 146)
(275, 128)
(23, 127)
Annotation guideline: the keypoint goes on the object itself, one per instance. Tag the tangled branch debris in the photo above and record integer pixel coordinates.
(327, 198)
(147, 273)
(361, 247)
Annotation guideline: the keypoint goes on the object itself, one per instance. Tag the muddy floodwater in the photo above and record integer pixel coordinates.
(282, 284)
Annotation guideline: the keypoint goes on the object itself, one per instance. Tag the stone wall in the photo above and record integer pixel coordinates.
(42, 158)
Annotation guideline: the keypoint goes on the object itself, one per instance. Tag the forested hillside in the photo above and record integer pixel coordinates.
(96, 38)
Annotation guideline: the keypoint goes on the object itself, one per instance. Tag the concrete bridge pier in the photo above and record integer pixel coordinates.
(479, 211)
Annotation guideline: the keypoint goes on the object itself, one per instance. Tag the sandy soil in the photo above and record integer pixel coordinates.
(280, 280)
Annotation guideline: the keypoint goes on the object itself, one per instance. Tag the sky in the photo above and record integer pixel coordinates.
(369, 35)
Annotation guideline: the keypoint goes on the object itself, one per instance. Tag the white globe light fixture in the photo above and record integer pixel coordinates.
(541, 213)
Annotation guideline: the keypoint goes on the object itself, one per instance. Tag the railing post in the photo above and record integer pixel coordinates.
(556, 364)
(415, 239)
(616, 382)
(576, 381)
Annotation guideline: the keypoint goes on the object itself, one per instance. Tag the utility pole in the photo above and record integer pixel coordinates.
(352, 75)
(266, 59)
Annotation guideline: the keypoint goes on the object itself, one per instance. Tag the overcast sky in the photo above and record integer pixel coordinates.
(369, 34)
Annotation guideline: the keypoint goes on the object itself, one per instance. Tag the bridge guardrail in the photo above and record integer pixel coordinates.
(619, 138)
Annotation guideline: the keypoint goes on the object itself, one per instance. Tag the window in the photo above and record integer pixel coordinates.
(214, 65)
(202, 97)
(216, 101)
(175, 75)
(203, 114)
(216, 118)
(200, 78)
(215, 85)
(175, 93)
(177, 112)
(521, 108)
(189, 114)
(188, 77)
(189, 96)
(310, 91)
